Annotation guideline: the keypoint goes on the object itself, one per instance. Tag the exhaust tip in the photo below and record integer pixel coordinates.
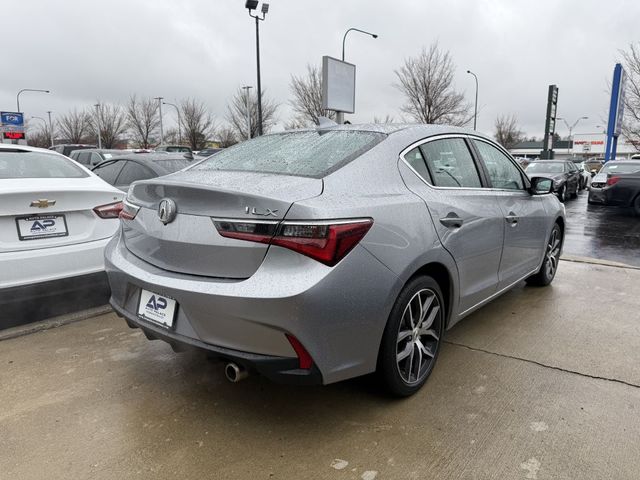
(235, 373)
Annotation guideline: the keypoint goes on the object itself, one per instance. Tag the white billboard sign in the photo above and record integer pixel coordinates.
(338, 85)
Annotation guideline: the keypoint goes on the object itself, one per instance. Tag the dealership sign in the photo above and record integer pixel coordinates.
(12, 126)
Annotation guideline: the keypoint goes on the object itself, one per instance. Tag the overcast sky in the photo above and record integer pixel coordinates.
(85, 51)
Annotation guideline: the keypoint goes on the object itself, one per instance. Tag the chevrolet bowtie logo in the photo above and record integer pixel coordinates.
(42, 203)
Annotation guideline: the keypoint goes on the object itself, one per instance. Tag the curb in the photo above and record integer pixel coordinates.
(54, 322)
(595, 261)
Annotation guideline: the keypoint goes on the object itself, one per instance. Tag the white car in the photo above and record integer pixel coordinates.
(55, 219)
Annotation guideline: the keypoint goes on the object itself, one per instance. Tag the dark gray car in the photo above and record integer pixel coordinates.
(318, 255)
(122, 171)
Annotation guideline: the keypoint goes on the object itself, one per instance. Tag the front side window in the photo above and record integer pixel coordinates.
(133, 171)
(308, 153)
(502, 172)
(450, 163)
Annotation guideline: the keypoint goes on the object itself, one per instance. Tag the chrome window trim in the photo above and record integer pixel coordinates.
(431, 139)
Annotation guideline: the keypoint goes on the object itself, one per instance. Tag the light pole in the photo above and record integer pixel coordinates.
(97, 105)
(179, 129)
(571, 127)
(160, 107)
(340, 115)
(246, 89)
(251, 5)
(50, 127)
(475, 108)
(28, 90)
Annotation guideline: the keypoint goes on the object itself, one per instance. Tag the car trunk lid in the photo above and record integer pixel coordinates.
(190, 243)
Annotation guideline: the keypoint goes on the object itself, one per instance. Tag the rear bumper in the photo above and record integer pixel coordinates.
(337, 313)
(277, 369)
(46, 264)
(596, 195)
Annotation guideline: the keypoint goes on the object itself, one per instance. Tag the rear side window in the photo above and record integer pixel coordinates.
(450, 163)
(25, 164)
(306, 154)
(133, 171)
(416, 160)
(109, 171)
(83, 157)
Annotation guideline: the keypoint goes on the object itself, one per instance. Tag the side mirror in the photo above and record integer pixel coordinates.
(541, 185)
(188, 155)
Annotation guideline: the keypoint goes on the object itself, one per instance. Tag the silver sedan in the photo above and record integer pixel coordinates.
(318, 255)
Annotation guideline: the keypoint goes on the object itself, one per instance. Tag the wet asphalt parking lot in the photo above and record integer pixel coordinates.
(542, 383)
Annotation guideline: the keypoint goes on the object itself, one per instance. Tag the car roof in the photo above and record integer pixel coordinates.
(150, 157)
(28, 148)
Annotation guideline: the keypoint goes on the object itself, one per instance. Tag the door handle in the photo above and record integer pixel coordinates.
(452, 221)
(512, 219)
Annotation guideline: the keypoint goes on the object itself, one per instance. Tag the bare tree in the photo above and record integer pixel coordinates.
(243, 103)
(38, 137)
(197, 123)
(112, 122)
(507, 132)
(427, 83)
(386, 119)
(631, 124)
(74, 126)
(143, 119)
(307, 97)
(226, 137)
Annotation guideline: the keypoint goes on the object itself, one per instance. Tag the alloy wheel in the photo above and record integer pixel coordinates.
(552, 254)
(419, 333)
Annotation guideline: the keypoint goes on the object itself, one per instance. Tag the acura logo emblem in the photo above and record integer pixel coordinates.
(167, 210)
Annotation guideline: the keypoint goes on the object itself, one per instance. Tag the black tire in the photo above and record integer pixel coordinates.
(562, 194)
(636, 205)
(549, 267)
(575, 192)
(396, 374)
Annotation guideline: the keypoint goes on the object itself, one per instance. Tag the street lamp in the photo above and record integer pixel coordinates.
(97, 105)
(50, 126)
(160, 107)
(344, 38)
(28, 90)
(340, 115)
(475, 108)
(252, 5)
(571, 127)
(179, 129)
(246, 89)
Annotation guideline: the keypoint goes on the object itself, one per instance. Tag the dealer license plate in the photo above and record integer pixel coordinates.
(41, 226)
(157, 308)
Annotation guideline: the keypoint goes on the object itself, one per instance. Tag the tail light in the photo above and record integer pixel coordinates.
(110, 210)
(327, 242)
(129, 211)
(612, 180)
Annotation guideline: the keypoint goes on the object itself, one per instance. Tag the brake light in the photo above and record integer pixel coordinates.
(612, 180)
(327, 242)
(129, 211)
(110, 210)
(305, 362)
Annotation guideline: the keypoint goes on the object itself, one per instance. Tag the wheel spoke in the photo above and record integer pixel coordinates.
(410, 362)
(429, 321)
(424, 308)
(419, 362)
(405, 353)
(404, 334)
(429, 333)
(424, 349)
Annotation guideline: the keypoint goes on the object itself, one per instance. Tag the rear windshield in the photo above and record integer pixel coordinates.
(305, 154)
(171, 166)
(24, 164)
(621, 168)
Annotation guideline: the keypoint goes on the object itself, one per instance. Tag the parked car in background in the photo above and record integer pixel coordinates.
(275, 256)
(585, 174)
(55, 219)
(598, 187)
(207, 152)
(593, 165)
(565, 176)
(123, 171)
(67, 148)
(93, 156)
(173, 149)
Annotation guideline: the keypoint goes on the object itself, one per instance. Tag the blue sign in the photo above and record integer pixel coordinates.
(616, 112)
(12, 118)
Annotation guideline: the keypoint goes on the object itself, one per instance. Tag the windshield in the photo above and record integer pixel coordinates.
(306, 154)
(26, 164)
(621, 168)
(545, 167)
